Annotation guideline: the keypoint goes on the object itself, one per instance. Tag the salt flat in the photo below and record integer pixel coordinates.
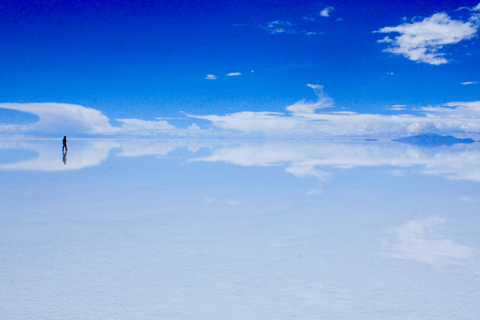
(232, 229)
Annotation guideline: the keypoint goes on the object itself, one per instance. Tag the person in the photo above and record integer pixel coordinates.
(65, 143)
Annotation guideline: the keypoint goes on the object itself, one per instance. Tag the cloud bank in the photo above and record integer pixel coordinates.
(313, 119)
(421, 41)
(306, 119)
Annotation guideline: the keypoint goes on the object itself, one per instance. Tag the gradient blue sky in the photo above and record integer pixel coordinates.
(150, 59)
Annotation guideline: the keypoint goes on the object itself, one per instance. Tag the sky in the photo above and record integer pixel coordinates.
(303, 68)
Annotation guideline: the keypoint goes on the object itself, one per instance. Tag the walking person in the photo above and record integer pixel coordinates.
(65, 143)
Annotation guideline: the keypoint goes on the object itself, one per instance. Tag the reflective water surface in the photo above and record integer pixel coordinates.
(233, 229)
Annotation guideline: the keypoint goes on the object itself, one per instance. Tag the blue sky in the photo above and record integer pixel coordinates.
(152, 59)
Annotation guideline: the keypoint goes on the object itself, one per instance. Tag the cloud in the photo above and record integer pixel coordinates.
(75, 120)
(469, 82)
(476, 8)
(276, 27)
(301, 119)
(193, 127)
(421, 240)
(326, 12)
(211, 77)
(307, 118)
(420, 41)
(234, 74)
(62, 117)
(143, 127)
(303, 107)
(397, 107)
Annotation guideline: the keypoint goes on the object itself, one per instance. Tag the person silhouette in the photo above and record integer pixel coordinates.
(65, 143)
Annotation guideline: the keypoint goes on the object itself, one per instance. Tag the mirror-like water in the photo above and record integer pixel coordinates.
(209, 229)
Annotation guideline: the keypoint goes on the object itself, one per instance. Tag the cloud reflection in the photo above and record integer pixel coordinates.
(421, 240)
(300, 158)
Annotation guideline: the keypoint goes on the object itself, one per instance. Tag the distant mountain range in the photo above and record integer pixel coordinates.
(433, 140)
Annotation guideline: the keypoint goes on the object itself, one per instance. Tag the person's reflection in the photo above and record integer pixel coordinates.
(64, 150)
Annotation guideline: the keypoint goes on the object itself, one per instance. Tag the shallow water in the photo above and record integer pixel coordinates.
(232, 229)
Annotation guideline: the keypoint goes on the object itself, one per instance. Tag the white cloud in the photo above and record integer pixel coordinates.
(421, 240)
(62, 117)
(326, 12)
(476, 8)
(234, 74)
(194, 127)
(469, 82)
(303, 107)
(275, 27)
(304, 120)
(211, 77)
(143, 127)
(420, 41)
(397, 107)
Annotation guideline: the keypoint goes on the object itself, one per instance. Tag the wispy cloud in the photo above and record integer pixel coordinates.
(397, 107)
(210, 77)
(476, 8)
(421, 41)
(469, 82)
(234, 74)
(326, 12)
(285, 27)
(276, 27)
